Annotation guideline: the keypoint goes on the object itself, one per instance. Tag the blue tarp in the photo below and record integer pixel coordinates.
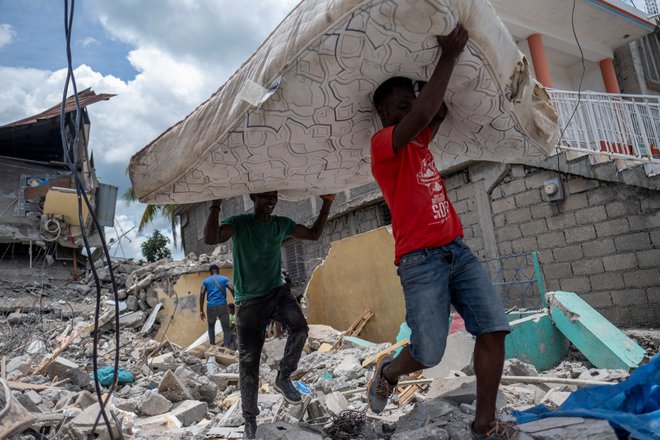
(632, 405)
(106, 375)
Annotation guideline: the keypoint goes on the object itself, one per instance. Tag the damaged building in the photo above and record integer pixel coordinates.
(39, 222)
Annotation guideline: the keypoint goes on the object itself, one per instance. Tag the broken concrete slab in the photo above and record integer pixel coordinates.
(233, 417)
(201, 387)
(280, 430)
(15, 420)
(163, 362)
(516, 367)
(274, 350)
(190, 411)
(603, 344)
(467, 393)
(21, 364)
(173, 389)
(132, 319)
(458, 355)
(153, 404)
(568, 428)
(63, 368)
(535, 340)
(84, 423)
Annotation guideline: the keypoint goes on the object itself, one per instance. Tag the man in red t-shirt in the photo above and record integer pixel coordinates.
(435, 266)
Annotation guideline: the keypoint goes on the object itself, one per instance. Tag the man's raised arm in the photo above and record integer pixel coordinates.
(430, 99)
(314, 233)
(214, 232)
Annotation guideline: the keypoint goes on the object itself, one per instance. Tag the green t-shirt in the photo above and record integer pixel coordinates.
(257, 253)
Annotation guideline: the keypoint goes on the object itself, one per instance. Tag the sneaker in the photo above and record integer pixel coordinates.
(498, 431)
(284, 386)
(250, 429)
(379, 389)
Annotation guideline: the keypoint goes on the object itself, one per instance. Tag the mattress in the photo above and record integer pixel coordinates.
(298, 117)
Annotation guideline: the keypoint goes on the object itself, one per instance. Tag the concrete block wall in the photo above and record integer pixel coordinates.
(602, 241)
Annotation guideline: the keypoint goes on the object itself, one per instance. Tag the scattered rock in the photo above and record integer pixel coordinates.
(153, 404)
(173, 389)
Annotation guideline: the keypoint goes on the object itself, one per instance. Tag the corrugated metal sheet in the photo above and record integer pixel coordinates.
(86, 97)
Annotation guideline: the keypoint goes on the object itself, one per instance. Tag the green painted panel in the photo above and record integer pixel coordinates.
(535, 340)
(602, 343)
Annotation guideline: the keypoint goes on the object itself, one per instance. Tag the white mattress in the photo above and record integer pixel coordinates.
(298, 117)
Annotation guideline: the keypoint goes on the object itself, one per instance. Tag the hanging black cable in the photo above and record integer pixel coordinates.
(71, 158)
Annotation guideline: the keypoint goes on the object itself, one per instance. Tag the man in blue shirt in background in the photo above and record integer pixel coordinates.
(215, 288)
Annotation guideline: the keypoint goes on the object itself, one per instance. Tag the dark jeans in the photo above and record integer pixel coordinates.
(222, 313)
(252, 317)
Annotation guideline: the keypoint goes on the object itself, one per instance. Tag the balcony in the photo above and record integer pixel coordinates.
(623, 127)
(651, 7)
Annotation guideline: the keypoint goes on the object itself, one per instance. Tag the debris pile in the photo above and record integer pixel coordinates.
(191, 390)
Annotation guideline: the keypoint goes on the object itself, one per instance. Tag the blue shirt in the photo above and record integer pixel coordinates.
(216, 296)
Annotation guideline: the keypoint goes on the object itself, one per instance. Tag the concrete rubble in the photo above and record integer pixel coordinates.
(179, 393)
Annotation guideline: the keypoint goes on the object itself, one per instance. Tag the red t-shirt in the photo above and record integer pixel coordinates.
(422, 215)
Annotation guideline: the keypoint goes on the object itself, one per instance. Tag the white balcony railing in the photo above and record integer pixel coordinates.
(618, 126)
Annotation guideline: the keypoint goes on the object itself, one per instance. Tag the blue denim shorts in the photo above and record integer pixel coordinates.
(432, 279)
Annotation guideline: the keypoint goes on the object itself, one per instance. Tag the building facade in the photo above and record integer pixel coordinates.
(600, 239)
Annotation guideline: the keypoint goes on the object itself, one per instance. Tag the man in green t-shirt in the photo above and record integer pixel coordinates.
(260, 291)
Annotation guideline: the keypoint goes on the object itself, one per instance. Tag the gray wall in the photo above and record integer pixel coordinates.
(602, 241)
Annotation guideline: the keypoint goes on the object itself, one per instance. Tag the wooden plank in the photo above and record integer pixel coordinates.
(603, 344)
(21, 386)
(63, 346)
(354, 329)
(373, 358)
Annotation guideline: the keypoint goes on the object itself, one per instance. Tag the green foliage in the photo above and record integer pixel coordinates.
(156, 247)
(151, 212)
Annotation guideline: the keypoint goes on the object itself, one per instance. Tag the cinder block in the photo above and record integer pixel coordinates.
(551, 240)
(518, 171)
(602, 195)
(499, 220)
(598, 300)
(518, 215)
(464, 192)
(602, 343)
(544, 210)
(650, 258)
(535, 180)
(502, 205)
(588, 267)
(579, 185)
(653, 294)
(645, 221)
(579, 234)
(496, 193)
(612, 227)
(568, 253)
(535, 227)
(574, 202)
(590, 215)
(524, 245)
(622, 208)
(598, 248)
(633, 242)
(528, 198)
(607, 281)
(642, 278)
(561, 221)
(559, 270)
(630, 297)
(620, 262)
(513, 187)
(509, 232)
(575, 284)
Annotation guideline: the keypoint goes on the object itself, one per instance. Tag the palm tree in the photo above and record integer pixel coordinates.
(151, 212)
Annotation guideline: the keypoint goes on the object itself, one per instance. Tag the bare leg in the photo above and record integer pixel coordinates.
(403, 364)
(488, 364)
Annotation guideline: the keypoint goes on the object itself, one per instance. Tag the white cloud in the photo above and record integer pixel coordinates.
(182, 50)
(88, 41)
(7, 34)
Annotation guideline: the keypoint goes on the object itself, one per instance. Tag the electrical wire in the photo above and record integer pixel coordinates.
(70, 154)
(584, 70)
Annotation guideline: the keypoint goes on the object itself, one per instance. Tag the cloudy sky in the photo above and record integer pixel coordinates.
(161, 57)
